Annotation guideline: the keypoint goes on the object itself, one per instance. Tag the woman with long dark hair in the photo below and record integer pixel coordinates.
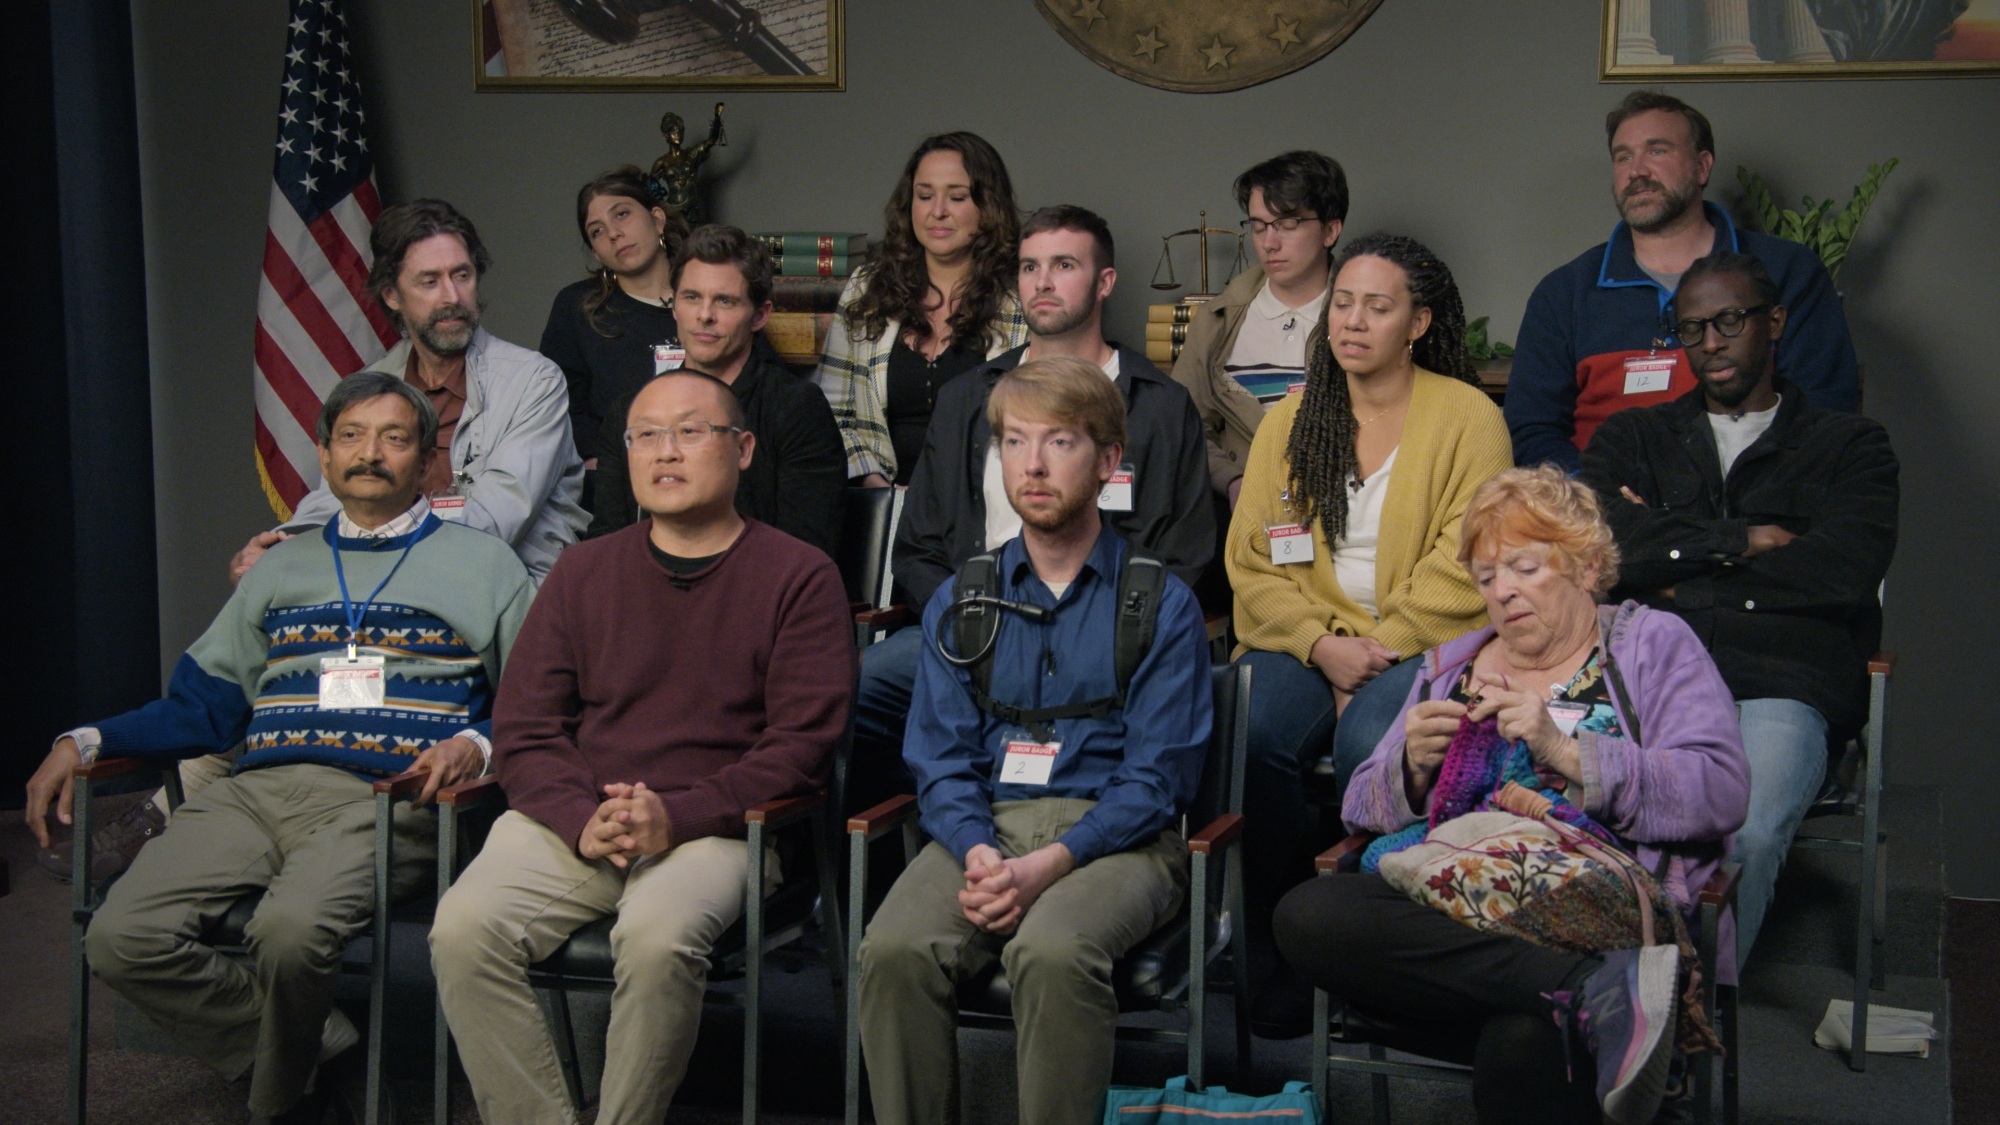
(934, 301)
(614, 330)
(1343, 551)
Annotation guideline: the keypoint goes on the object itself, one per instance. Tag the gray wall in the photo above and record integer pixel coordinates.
(1462, 123)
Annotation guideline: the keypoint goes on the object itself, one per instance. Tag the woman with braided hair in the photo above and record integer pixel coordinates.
(1343, 552)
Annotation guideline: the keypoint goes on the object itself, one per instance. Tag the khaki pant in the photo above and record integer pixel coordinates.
(920, 946)
(518, 902)
(303, 834)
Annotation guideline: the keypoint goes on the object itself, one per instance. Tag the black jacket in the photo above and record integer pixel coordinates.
(795, 476)
(1798, 622)
(944, 516)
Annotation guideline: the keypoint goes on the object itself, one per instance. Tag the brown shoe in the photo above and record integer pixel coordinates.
(131, 820)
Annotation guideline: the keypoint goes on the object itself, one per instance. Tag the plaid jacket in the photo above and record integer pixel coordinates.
(854, 374)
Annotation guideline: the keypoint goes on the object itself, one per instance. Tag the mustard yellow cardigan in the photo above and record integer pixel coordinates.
(1454, 440)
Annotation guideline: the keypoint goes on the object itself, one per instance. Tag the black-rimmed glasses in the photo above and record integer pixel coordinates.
(1728, 324)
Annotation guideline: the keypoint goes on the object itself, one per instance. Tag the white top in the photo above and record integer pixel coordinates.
(1354, 553)
(1002, 521)
(1735, 433)
(1269, 356)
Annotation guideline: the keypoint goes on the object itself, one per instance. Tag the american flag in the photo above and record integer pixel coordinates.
(316, 320)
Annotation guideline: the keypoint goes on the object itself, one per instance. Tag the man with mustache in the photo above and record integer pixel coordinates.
(1767, 521)
(366, 650)
(1597, 334)
(1054, 842)
(957, 506)
(508, 467)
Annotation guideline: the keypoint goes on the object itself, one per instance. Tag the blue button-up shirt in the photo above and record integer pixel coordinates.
(1141, 765)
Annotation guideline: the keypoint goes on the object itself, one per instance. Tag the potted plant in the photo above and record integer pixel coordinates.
(1818, 225)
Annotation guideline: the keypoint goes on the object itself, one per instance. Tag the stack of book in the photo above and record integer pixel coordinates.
(813, 253)
(812, 270)
(1166, 331)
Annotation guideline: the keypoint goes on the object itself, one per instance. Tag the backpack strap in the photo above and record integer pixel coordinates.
(1141, 584)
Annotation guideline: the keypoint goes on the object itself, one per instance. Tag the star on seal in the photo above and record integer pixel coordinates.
(1218, 54)
(1091, 12)
(1150, 44)
(1286, 34)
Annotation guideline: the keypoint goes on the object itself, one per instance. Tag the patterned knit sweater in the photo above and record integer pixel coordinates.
(443, 623)
(1454, 440)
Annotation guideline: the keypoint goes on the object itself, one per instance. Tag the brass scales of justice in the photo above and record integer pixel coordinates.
(1163, 274)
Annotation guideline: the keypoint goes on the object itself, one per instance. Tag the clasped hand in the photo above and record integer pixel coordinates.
(631, 824)
(998, 891)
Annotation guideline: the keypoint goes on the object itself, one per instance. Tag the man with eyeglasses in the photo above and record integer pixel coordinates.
(1767, 522)
(1597, 336)
(722, 298)
(671, 675)
(1246, 349)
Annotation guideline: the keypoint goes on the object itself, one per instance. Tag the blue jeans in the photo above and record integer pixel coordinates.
(881, 708)
(1785, 741)
(1292, 726)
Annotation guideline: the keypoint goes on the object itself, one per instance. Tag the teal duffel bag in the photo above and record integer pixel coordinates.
(1138, 1105)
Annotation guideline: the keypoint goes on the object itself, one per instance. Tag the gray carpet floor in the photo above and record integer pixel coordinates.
(135, 1078)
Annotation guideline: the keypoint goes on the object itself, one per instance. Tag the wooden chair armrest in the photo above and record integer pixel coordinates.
(1883, 663)
(104, 768)
(786, 810)
(883, 618)
(1344, 856)
(402, 786)
(1220, 833)
(1720, 890)
(1216, 625)
(890, 813)
(466, 794)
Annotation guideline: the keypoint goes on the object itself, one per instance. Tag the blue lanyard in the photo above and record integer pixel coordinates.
(347, 604)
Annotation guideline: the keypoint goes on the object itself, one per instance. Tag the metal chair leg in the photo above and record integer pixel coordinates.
(857, 894)
(1322, 1043)
(1197, 903)
(378, 965)
(81, 907)
(1378, 1086)
(753, 972)
(565, 1038)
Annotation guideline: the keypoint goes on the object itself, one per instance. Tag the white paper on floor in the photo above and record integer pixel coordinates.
(1891, 1031)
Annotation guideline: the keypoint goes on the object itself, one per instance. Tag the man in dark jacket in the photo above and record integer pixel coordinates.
(957, 506)
(722, 297)
(1767, 523)
(1596, 337)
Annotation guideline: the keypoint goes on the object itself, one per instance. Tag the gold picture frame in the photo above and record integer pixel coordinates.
(1763, 40)
(578, 45)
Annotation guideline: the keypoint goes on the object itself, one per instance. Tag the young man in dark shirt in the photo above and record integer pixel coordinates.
(722, 297)
(674, 674)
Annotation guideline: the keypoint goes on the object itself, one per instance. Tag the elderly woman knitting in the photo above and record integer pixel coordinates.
(1605, 728)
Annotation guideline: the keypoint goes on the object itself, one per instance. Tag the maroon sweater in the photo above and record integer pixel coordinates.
(720, 689)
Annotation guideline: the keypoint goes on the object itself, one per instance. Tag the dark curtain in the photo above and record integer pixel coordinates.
(82, 616)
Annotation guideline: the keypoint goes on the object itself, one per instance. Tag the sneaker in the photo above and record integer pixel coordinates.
(338, 1036)
(129, 821)
(1624, 1013)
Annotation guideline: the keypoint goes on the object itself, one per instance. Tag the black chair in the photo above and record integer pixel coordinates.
(1450, 1049)
(1855, 790)
(1167, 972)
(868, 534)
(367, 955)
(585, 961)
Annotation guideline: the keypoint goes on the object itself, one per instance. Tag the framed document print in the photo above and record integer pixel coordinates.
(659, 44)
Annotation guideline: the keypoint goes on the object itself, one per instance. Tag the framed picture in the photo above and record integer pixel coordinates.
(659, 45)
(1651, 40)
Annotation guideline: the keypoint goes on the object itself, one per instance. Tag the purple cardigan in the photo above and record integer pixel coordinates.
(1679, 796)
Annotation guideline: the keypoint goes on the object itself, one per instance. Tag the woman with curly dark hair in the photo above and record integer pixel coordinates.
(934, 301)
(614, 330)
(1343, 551)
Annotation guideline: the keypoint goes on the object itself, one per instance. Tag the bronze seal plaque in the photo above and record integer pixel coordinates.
(1205, 46)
